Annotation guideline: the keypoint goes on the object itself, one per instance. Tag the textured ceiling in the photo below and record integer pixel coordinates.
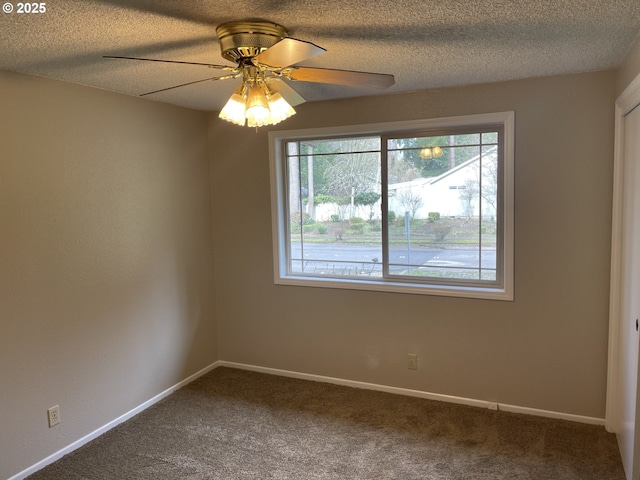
(425, 44)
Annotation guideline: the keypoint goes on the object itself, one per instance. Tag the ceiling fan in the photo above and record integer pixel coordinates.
(265, 55)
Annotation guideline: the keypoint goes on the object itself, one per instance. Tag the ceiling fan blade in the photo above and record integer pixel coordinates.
(224, 77)
(210, 65)
(292, 97)
(339, 77)
(288, 51)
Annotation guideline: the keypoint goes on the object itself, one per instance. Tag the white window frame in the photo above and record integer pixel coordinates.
(505, 291)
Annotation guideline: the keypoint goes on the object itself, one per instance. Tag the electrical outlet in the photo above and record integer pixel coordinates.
(54, 415)
(412, 361)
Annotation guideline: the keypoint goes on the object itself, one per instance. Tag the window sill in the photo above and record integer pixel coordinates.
(486, 293)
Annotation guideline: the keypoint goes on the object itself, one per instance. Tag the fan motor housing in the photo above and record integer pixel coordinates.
(240, 40)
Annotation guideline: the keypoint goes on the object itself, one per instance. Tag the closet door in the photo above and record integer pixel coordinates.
(628, 434)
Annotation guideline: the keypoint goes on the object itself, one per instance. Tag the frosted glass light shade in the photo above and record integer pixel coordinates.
(233, 111)
(257, 111)
(280, 109)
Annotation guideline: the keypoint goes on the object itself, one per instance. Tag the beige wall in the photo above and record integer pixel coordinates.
(107, 290)
(545, 350)
(106, 284)
(630, 68)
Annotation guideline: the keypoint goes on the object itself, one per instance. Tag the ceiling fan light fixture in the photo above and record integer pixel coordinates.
(264, 53)
(256, 105)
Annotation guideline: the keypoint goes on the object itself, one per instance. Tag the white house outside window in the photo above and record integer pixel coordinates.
(413, 207)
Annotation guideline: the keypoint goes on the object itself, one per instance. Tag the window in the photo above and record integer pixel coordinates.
(413, 207)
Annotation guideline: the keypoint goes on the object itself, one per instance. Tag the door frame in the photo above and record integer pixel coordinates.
(625, 103)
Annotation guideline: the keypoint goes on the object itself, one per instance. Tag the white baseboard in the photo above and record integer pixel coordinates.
(418, 393)
(303, 376)
(105, 428)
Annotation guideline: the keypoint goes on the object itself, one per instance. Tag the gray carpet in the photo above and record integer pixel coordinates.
(234, 424)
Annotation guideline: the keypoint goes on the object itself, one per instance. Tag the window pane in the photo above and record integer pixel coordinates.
(440, 223)
(489, 224)
(447, 223)
(490, 138)
(338, 232)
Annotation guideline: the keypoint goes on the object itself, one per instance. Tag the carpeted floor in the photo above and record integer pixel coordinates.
(234, 424)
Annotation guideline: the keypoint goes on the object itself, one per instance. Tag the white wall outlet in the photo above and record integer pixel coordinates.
(412, 361)
(54, 415)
